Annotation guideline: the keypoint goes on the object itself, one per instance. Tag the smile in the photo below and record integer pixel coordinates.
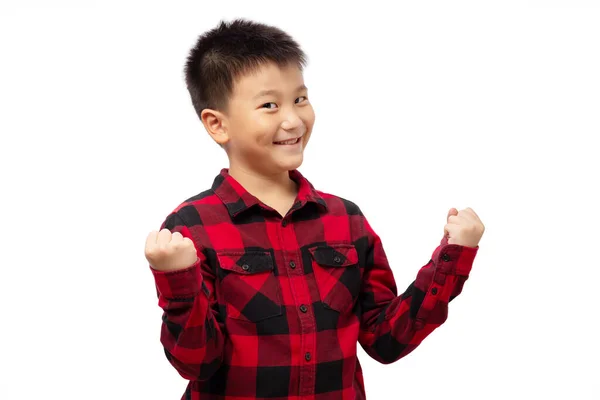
(290, 141)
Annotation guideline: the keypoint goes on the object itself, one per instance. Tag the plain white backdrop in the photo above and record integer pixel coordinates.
(419, 108)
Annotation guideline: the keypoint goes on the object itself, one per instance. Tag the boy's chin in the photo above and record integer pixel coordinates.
(288, 163)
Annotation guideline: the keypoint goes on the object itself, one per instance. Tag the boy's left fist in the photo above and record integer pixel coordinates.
(463, 228)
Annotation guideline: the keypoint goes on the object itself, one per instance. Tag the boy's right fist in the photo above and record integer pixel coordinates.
(166, 251)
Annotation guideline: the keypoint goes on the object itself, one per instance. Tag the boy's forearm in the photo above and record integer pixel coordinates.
(190, 335)
(393, 326)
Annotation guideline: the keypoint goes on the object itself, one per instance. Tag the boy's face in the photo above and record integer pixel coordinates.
(266, 107)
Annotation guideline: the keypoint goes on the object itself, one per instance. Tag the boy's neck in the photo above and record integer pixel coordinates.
(264, 187)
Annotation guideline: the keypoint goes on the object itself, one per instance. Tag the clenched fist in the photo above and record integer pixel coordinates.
(463, 228)
(166, 251)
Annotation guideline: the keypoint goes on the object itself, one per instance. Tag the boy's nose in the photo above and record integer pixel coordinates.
(292, 121)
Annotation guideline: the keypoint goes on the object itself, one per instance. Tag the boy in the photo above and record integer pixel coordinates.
(267, 285)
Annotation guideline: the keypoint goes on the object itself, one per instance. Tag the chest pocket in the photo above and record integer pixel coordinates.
(337, 274)
(248, 285)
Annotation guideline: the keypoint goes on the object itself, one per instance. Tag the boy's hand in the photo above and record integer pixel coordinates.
(166, 251)
(463, 228)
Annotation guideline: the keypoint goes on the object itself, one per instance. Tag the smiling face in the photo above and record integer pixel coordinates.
(269, 120)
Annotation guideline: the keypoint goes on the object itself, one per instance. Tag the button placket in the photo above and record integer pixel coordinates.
(302, 299)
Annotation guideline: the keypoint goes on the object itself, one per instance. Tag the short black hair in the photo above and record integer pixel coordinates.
(230, 50)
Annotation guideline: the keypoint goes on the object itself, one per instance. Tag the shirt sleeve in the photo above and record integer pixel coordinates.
(392, 326)
(191, 335)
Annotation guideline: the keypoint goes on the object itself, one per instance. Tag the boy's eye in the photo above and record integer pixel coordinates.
(268, 105)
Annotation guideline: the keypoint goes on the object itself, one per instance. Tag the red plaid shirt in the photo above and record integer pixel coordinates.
(274, 307)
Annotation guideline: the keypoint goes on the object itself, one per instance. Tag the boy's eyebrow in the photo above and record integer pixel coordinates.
(274, 91)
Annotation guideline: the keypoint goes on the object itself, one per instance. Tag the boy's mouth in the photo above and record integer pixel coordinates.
(289, 142)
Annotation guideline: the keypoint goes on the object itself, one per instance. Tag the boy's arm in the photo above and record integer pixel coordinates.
(190, 334)
(392, 326)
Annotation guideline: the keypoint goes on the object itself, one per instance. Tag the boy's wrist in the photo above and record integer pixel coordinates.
(180, 283)
(455, 259)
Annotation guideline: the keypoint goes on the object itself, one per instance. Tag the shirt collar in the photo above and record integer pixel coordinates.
(237, 199)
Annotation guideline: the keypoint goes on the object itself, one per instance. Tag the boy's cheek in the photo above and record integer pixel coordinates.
(306, 139)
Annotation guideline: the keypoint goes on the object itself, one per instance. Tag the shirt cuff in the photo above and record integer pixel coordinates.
(454, 259)
(178, 284)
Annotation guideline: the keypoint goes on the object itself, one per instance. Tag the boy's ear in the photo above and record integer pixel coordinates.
(215, 123)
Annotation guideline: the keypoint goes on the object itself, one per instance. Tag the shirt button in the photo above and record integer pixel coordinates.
(292, 264)
(337, 259)
(445, 257)
(303, 308)
(434, 291)
(284, 223)
(307, 356)
(245, 267)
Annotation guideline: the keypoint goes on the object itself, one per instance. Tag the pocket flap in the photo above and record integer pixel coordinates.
(250, 262)
(337, 255)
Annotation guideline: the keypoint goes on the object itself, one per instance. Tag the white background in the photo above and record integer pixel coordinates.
(420, 108)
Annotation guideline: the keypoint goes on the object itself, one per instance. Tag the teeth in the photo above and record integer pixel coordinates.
(291, 141)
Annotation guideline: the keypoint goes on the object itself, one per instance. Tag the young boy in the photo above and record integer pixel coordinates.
(266, 283)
